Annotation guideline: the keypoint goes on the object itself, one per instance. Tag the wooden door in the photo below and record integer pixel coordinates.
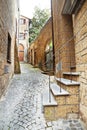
(21, 52)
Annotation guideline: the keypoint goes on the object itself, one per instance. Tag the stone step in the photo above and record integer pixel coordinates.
(57, 91)
(71, 73)
(47, 101)
(67, 81)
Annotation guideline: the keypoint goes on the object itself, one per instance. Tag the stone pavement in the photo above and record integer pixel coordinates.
(21, 106)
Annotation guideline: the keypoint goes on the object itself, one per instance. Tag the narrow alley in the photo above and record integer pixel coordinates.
(21, 106)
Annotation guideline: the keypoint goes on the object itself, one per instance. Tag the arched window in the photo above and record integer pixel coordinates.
(49, 47)
(49, 56)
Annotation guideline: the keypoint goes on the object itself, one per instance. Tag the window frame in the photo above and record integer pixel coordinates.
(9, 49)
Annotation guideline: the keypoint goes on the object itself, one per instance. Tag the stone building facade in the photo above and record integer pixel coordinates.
(37, 50)
(80, 30)
(23, 38)
(8, 31)
(70, 29)
(63, 31)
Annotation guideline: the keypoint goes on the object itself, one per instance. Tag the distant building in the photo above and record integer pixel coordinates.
(23, 38)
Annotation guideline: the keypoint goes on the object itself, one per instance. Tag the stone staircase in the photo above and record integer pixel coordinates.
(62, 99)
(73, 75)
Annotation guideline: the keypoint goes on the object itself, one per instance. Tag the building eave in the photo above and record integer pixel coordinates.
(71, 8)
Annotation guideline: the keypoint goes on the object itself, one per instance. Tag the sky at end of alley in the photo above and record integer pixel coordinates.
(27, 6)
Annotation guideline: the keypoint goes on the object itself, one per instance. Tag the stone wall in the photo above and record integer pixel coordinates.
(63, 31)
(80, 26)
(40, 43)
(31, 54)
(7, 26)
(72, 28)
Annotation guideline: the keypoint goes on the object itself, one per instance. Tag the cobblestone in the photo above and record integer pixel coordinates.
(21, 106)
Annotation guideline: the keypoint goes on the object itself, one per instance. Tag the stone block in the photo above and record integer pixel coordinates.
(72, 108)
(73, 99)
(60, 111)
(49, 113)
(61, 100)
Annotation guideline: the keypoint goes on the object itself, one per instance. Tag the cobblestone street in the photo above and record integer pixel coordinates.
(21, 106)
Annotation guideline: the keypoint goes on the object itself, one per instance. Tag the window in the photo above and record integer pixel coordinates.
(21, 36)
(22, 21)
(9, 49)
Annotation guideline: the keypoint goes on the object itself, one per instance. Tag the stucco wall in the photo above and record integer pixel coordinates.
(7, 25)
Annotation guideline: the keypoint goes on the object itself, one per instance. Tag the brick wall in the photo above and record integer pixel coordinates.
(63, 31)
(65, 27)
(7, 25)
(80, 25)
(39, 45)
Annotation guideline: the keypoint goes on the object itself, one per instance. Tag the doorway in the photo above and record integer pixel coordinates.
(21, 52)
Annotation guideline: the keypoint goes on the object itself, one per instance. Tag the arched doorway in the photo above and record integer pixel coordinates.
(49, 56)
(21, 52)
